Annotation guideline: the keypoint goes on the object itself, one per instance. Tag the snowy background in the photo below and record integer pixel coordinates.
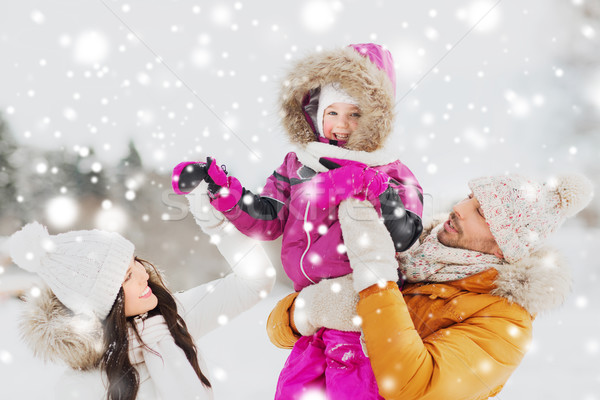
(99, 99)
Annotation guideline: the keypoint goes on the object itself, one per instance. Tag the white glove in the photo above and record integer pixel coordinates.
(331, 303)
(207, 217)
(368, 243)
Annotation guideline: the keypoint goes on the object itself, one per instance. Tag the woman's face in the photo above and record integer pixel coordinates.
(138, 295)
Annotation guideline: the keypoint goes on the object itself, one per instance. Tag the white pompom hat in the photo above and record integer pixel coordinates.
(522, 213)
(331, 93)
(84, 269)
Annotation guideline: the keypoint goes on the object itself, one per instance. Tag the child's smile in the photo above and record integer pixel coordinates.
(340, 120)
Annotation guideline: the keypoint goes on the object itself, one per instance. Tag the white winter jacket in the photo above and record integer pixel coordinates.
(202, 308)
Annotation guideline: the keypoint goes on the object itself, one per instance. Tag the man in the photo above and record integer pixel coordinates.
(462, 324)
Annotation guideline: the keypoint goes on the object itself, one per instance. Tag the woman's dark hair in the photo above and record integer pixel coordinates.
(123, 379)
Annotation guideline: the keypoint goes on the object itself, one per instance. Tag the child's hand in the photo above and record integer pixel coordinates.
(346, 179)
(374, 183)
(187, 175)
(216, 176)
(224, 191)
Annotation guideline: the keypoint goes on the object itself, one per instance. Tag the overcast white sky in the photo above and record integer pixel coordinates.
(187, 79)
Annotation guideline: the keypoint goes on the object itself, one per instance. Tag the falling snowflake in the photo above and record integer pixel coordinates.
(318, 16)
(62, 212)
(6, 357)
(91, 47)
(38, 17)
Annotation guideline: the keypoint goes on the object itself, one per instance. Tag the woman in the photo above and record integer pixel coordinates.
(108, 315)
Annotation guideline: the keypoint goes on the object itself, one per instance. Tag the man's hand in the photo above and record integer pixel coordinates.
(331, 303)
(368, 244)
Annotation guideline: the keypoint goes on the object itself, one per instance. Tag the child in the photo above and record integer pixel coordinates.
(108, 315)
(338, 107)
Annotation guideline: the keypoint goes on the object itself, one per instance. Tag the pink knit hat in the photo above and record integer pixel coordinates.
(521, 213)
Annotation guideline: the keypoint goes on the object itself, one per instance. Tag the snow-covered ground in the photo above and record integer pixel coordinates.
(563, 363)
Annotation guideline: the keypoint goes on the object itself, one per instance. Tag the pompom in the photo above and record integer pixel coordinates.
(575, 191)
(29, 246)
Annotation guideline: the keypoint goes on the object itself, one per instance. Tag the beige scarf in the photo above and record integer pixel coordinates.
(433, 262)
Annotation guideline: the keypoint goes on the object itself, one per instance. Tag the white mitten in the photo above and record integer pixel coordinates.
(330, 303)
(368, 243)
(207, 217)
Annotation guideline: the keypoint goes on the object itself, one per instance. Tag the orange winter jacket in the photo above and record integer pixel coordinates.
(434, 341)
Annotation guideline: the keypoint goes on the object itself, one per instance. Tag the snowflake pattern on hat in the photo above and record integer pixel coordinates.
(521, 213)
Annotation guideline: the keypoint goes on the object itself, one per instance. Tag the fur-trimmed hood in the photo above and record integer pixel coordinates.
(54, 333)
(358, 76)
(538, 283)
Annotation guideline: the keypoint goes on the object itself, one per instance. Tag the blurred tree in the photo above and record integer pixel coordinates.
(7, 170)
(10, 211)
(37, 176)
(131, 186)
(132, 161)
(582, 57)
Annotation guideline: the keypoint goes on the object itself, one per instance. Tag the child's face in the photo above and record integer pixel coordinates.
(340, 120)
(138, 296)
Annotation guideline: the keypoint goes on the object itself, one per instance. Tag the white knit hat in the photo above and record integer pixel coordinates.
(331, 93)
(84, 269)
(521, 213)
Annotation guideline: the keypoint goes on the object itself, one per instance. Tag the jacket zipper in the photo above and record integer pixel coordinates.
(307, 243)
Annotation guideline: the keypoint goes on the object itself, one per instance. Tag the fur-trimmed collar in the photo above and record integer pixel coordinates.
(538, 283)
(359, 77)
(310, 155)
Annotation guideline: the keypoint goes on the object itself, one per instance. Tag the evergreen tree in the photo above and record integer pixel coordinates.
(582, 58)
(133, 161)
(130, 182)
(8, 193)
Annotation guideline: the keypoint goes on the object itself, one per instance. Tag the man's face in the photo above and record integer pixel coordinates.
(467, 229)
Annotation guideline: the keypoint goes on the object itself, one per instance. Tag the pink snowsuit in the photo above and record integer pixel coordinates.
(312, 237)
(330, 361)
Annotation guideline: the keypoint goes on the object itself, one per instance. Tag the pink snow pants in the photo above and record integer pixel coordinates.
(329, 362)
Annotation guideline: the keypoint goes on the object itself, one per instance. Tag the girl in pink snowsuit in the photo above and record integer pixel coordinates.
(300, 199)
